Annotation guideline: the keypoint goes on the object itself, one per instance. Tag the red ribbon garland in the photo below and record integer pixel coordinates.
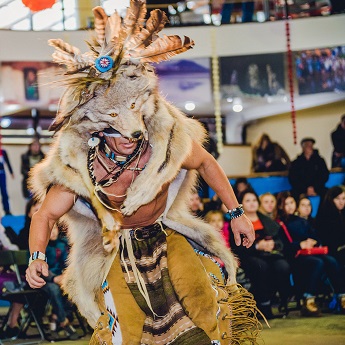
(291, 85)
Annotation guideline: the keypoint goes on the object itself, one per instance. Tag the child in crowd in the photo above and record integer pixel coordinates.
(216, 219)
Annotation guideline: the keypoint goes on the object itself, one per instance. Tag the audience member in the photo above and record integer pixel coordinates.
(56, 252)
(338, 141)
(241, 184)
(195, 205)
(10, 329)
(4, 195)
(268, 205)
(31, 157)
(216, 219)
(308, 173)
(308, 268)
(23, 238)
(247, 11)
(269, 156)
(263, 262)
(304, 209)
(5, 242)
(330, 222)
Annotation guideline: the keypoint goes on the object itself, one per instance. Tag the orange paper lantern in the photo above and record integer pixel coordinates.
(38, 5)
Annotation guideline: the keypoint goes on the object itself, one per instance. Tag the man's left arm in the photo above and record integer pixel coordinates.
(215, 177)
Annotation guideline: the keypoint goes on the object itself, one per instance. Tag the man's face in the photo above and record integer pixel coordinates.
(121, 145)
(308, 148)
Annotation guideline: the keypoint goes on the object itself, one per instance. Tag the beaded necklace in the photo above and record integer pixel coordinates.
(123, 165)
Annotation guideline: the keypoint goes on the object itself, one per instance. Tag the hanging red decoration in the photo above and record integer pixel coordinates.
(291, 81)
(38, 5)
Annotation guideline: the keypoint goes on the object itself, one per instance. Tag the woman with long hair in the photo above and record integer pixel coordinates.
(269, 156)
(330, 222)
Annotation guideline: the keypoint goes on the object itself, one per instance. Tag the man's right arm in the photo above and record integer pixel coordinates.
(57, 202)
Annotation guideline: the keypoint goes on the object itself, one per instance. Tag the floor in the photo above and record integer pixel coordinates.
(328, 329)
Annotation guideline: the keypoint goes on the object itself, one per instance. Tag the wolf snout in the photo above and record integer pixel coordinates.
(137, 134)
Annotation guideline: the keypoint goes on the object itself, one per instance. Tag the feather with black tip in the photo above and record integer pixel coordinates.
(163, 48)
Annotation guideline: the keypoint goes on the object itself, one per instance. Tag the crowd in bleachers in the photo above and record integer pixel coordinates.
(295, 257)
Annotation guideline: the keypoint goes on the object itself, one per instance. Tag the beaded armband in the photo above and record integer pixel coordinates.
(236, 212)
(37, 255)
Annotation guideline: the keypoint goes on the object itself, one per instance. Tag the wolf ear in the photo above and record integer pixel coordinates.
(58, 122)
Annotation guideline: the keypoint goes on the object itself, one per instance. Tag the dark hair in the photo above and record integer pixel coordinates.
(32, 202)
(281, 198)
(241, 180)
(332, 193)
(302, 197)
(247, 191)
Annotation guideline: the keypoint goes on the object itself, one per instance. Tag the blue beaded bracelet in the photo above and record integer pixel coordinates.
(236, 212)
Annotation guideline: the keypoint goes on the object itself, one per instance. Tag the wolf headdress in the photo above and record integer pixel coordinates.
(113, 85)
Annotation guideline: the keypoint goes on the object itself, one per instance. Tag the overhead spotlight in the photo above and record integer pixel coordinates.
(237, 107)
(5, 123)
(189, 106)
(30, 131)
(260, 16)
(229, 99)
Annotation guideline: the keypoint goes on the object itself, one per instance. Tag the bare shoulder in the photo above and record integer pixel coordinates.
(58, 201)
(196, 158)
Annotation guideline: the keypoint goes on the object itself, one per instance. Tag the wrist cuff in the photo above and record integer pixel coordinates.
(37, 255)
(236, 212)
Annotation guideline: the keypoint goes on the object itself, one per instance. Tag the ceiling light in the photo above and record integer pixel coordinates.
(5, 123)
(189, 106)
(30, 131)
(237, 108)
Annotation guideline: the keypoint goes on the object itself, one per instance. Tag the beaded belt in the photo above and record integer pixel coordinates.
(146, 232)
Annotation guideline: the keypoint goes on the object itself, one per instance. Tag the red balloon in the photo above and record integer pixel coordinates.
(38, 5)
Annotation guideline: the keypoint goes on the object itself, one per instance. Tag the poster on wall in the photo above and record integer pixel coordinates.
(29, 84)
(320, 70)
(252, 75)
(181, 81)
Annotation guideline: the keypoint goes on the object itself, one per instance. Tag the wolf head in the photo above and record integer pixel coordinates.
(108, 86)
(118, 105)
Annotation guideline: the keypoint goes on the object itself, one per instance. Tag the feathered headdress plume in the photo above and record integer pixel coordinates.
(118, 41)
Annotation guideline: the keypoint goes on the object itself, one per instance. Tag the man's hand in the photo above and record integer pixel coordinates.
(243, 226)
(34, 272)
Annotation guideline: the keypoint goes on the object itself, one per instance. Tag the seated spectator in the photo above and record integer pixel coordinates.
(195, 205)
(304, 209)
(309, 270)
(338, 141)
(268, 205)
(11, 328)
(330, 222)
(56, 252)
(23, 238)
(241, 184)
(263, 263)
(216, 219)
(308, 173)
(269, 156)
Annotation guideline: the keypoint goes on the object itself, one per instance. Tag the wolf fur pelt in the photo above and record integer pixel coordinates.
(128, 102)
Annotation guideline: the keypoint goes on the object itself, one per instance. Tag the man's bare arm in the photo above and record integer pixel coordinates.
(215, 177)
(57, 202)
